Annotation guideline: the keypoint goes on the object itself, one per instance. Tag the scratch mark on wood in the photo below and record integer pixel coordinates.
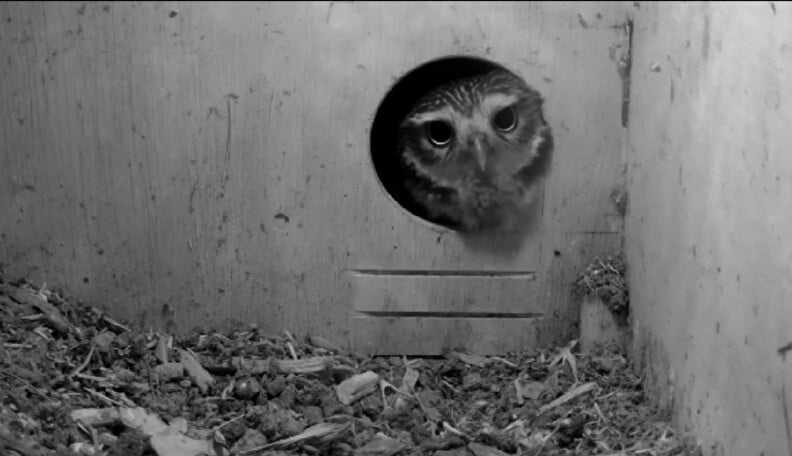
(190, 206)
(783, 350)
(625, 70)
(582, 21)
(227, 144)
(530, 275)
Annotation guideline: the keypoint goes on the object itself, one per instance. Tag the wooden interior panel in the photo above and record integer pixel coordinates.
(207, 163)
(709, 252)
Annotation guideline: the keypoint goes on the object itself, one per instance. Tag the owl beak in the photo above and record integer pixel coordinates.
(480, 152)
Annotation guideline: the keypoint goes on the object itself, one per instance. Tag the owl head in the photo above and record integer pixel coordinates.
(474, 147)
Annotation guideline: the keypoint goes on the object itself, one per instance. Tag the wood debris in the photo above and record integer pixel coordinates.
(357, 387)
(200, 376)
(75, 382)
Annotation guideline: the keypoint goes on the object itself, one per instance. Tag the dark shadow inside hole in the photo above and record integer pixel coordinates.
(397, 104)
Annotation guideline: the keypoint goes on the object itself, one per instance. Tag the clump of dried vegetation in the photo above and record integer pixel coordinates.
(605, 277)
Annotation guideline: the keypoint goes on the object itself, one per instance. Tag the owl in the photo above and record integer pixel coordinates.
(473, 152)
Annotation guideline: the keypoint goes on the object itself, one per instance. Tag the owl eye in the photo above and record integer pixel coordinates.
(505, 120)
(439, 133)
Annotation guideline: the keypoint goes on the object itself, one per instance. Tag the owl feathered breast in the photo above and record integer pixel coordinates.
(473, 152)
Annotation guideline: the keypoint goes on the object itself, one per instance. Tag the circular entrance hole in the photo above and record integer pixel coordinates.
(399, 103)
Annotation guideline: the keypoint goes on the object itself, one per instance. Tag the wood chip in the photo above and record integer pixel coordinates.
(253, 366)
(316, 432)
(181, 445)
(96, 417)
(200, 376)
(305, 365)
(52, 315)
(137, 418)
(518, 392)
(568, 396)
(356, 387)
(320, 342)
(118, 326)
(473, 360)
(161, 351)
(169, 371)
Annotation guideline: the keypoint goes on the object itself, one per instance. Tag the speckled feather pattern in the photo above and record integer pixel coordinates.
(446, 182)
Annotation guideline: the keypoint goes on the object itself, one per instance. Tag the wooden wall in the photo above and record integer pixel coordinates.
(207, 164)
(708, 229)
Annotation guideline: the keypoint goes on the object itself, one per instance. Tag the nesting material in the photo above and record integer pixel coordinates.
(76, 382)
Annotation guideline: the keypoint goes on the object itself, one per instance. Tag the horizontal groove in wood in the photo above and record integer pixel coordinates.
(530, 275)
(429, 314)
(434, 336)
(443, 295)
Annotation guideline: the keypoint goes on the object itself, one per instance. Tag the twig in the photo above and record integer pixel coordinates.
(291, 350)
(92, 378)
(599, 412)
(40, 332)
(104, 398)
(11, 345)
(225, 423)
(450, 386)
(568, 396)
(85, 363)
(115, 324)
(505, 361)
(518, 391)
(317, 431)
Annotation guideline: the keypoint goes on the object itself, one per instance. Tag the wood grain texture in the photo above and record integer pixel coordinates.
(600, 329)
(433, 336)
(207, 163)
(710, 182)
(508, 295)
